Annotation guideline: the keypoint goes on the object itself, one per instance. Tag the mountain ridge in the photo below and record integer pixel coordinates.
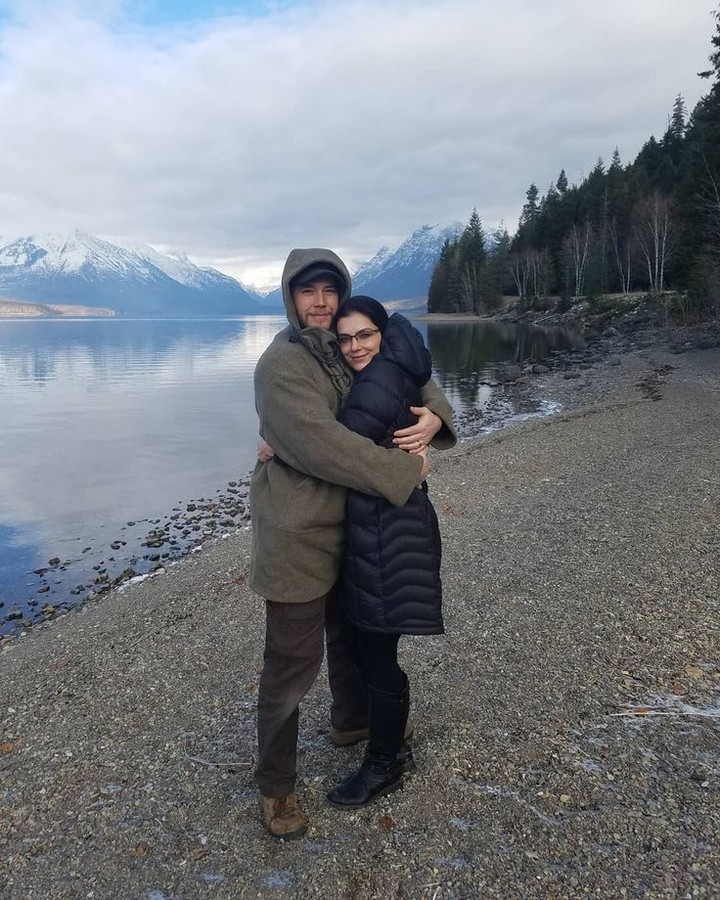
(404, 273)
(84, 270)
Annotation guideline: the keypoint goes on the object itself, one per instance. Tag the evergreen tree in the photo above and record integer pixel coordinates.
(454, 296)
(699, 200)
(498, 269)
(472, 264)
(621, 249)
(437, 292)
(648, 163)
(714, 57)
(677, 125)
(530, 210)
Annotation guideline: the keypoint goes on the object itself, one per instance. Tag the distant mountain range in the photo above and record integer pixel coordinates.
(401, 276)
(81, 269)
(84, 270)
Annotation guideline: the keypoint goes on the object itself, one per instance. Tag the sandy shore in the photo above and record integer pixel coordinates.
(568, 725)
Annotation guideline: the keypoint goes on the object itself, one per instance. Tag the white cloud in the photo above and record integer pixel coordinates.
(345, 125)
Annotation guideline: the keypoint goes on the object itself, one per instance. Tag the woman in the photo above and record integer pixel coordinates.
(391, 576)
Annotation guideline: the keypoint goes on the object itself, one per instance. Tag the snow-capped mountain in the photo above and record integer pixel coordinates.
(84, 269)
(404, 273)
(400, 274)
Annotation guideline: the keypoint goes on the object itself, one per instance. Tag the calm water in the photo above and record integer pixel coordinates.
(110, 422)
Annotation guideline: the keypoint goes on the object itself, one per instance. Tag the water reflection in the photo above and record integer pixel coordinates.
(111, 418)
(102, 349)
(102, 422)
(466, 356)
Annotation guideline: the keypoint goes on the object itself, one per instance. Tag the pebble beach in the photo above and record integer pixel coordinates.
(567, 725)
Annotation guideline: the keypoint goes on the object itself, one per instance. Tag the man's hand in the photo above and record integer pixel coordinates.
(418, 436)
(264, 451)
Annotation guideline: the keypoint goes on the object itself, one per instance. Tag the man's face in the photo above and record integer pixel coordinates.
(316, 303)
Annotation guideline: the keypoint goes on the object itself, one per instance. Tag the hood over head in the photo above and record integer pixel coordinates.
(319, 342)
(321, 263)
(403, 344)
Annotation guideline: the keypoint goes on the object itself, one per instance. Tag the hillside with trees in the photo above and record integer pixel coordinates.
(652, 225)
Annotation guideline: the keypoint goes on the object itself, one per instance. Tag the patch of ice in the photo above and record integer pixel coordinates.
(506, 793)
(547, 408)
(138, 579)
(461, 824)
(669, 706)
(280, 878)
(455, 862)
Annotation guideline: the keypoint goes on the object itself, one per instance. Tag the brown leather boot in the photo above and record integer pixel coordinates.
(348, 738)
(283, 817)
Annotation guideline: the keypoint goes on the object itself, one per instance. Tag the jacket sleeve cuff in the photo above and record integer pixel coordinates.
(437, 402)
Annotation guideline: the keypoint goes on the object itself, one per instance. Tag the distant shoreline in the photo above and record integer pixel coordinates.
(452, 317)
(16, 309)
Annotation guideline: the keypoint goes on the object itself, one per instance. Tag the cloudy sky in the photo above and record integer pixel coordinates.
(234, 130)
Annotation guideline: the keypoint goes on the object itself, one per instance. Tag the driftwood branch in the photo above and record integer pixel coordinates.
(231, 764)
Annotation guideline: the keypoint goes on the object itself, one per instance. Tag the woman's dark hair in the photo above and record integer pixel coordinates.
(367, 306)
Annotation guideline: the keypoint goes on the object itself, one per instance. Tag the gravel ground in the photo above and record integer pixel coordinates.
(567, 726)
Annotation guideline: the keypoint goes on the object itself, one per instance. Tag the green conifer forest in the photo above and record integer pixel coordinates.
(652, 225)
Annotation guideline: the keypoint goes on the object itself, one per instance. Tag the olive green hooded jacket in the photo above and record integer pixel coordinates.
(297, 499)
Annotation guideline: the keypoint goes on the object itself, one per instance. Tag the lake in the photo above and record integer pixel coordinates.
(113, 430)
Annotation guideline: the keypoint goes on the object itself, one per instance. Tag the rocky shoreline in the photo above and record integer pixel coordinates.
(159, 542)
(606, 338)
(567, 725)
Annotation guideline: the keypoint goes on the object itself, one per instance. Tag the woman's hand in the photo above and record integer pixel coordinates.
(418, 436)
(264, 451)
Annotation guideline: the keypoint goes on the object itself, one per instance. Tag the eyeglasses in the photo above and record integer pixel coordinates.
(362, 337)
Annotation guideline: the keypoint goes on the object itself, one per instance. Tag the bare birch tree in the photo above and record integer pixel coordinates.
(532, 258)
(653, 226)
(623, 253)
(576, 245)
(519, 272)
(710, 203)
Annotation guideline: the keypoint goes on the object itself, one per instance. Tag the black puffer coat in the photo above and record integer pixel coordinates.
(391, 575)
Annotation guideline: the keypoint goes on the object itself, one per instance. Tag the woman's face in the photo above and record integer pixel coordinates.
(359, 339)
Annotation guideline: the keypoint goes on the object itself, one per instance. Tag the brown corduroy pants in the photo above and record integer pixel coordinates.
(294, 639)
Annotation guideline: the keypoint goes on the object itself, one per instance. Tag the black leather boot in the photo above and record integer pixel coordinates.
(406, 759)
(374, 778)
(381, 770)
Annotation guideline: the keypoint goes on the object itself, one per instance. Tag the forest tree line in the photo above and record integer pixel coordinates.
(652, 225)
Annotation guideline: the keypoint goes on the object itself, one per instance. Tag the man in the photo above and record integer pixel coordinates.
(297, 502)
